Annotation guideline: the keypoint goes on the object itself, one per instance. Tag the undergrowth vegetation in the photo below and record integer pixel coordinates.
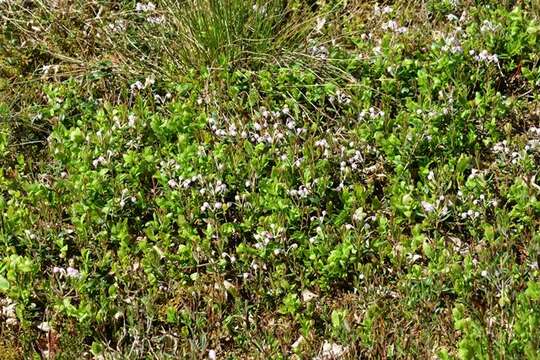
(228, 179)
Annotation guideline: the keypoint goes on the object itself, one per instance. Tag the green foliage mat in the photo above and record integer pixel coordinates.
(358, 181)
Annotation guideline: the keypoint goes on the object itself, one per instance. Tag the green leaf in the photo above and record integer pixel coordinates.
(4, 284)
(336, 319)
(532, 292)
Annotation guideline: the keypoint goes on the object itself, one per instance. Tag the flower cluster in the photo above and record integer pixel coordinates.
(488, 26)
(393, 26)
(302, 192)
(263, 239)
(341, 97)
(148, 82)
(378, 11)
(184, 183)
(149, 8)
(321, 52)
(440, 206)
(485, 56)
(118, 26)
(533, 143)
(269, 129)
(501, 147)
(372, 113)
(70, 272)
(156, 19)
(141, 7)
(125, 196)
(452, 44)
(8, 311)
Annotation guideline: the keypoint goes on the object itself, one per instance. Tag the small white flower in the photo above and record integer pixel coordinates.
(307, 295)
(149, 81)
(384, 11)
(98, 161)
(485, 56)
(59, 270)
(321, 143)
(387, 9)
(156, 19)
(488, 26)
(137, 86)
(205, 206)
(390, 25)
(320, 24)
(72, 272)
(9, 310)
(414, 258)
(131, 120)
(212, 355)
(298, 342)
(118, 26)
(140, 7)
(331, 351)
(44, 326)
(227, 285)
(291, 124)
(427, 206)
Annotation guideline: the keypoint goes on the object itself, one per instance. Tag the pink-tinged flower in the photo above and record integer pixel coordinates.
(58, 270)
(427, 206)
(72, 272)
